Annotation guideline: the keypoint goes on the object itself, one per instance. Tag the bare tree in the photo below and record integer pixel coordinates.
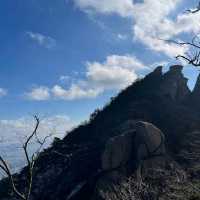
(192, 56)
(31, 160)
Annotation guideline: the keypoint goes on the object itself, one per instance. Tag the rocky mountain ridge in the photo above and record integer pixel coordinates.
(145, 144)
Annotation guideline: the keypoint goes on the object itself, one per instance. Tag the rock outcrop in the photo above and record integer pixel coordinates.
(196, 91)
(194, 98)
(174, 84)
(139, 141)
(118, 152)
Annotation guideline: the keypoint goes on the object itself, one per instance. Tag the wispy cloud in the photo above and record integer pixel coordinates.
(122, 36)
(43, 40)
(122, 7)
(3, 92)
(150, 21)
(64, 78)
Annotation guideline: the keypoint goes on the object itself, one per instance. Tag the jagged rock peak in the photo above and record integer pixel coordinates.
(174, 83)
(157, 72)
(196, 90)
(176, 69)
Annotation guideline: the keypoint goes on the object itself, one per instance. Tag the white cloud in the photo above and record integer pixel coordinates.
(114, 77)
(75, 92)
(13, 133)
(150, 21)
(15, 130)
(3, 92)
(159, 45)
(122, 7)
(125, 61)
(42, 40)
(39, 94)
(151, 26)
(116, 72)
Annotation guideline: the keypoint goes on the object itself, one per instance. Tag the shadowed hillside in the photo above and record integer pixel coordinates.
(161, 99)
(153, 125)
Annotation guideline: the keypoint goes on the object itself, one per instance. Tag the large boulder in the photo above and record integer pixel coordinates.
(139, 141)
(141, 145)
(118, 151)
(149, 141)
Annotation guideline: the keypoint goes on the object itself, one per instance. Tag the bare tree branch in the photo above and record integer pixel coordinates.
(4, 166)
(197, 9)
(30, 163)
(192, 57)
(192, 44)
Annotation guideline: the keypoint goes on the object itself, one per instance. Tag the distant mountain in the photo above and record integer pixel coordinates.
(144, 144)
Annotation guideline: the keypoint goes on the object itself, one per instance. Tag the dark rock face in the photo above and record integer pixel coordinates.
(196, 91)
(151, 99)
(118, 151)
(149, 141)
(156, 73)
(155, 117)
(174, 84)
(194, 99)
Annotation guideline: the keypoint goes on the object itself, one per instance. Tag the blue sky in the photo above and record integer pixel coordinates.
(62, 59)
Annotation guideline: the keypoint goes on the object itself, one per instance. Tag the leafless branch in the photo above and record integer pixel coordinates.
(194, 42)
(192, 57)
(193, 11)
(5, 168)
(30, 163)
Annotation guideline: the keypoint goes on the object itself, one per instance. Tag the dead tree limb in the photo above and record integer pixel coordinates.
(192, 57)
(30, 163)
(197, 9)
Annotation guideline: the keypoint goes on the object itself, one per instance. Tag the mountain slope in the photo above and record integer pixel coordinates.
(76, 172)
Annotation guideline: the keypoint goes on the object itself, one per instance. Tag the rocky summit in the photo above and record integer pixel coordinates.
(143, 145)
